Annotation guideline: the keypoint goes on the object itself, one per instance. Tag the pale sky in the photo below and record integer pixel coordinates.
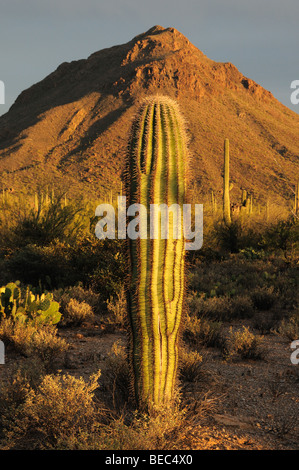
(260, 37)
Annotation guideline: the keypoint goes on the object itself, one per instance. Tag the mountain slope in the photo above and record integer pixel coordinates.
(71, 128)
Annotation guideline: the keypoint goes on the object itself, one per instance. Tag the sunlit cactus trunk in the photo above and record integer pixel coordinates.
(156, 174)
(226, 198)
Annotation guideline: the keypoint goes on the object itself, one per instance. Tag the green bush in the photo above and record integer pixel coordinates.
(51, 221)
(96, 264)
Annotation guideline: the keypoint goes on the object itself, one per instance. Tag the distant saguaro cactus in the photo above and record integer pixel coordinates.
(213, 202)
(244, 197)
(226, 198)
(296, 204)
(156, 174)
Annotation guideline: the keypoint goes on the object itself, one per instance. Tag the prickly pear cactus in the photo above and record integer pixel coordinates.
(26, 307)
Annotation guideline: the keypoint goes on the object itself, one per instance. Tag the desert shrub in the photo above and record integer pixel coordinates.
(46, 345)
(96, 264)
(283, 235)
(263, 298)
(244, 343)
(289, 327)
(286, 286)
(13, 393)
(233, 276)
(253, 253)
(100, 265)
(117, 311)
(163, 429)
(76, 312)
(200, 331)
(59, 414)
(52, 221)
(266, 323)
(17, 335)
(79, 293)
(222, 308)
(216, 308)
(190, 366)
(47, 266)
(41, 342)
(229, 236)
(238, 275)
(116, 377)
(241, 307)
(237, 236)
(63, 413)
(253, 236)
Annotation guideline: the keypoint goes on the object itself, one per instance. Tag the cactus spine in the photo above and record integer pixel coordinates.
(156, 174)
(226, 199)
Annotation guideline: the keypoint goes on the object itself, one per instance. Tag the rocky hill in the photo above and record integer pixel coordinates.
(71, 128)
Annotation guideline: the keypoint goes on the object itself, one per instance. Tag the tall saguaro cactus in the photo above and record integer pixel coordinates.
(156, 174)
(226, 199)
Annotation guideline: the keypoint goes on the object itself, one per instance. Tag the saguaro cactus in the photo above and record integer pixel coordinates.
(296, 203)
(226, 199)
(213, 202)
(244, 197)
(156, 174)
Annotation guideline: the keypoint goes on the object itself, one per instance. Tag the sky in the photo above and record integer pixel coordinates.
(260, 37)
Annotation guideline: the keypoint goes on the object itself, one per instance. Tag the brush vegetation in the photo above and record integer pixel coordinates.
(245, 273)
